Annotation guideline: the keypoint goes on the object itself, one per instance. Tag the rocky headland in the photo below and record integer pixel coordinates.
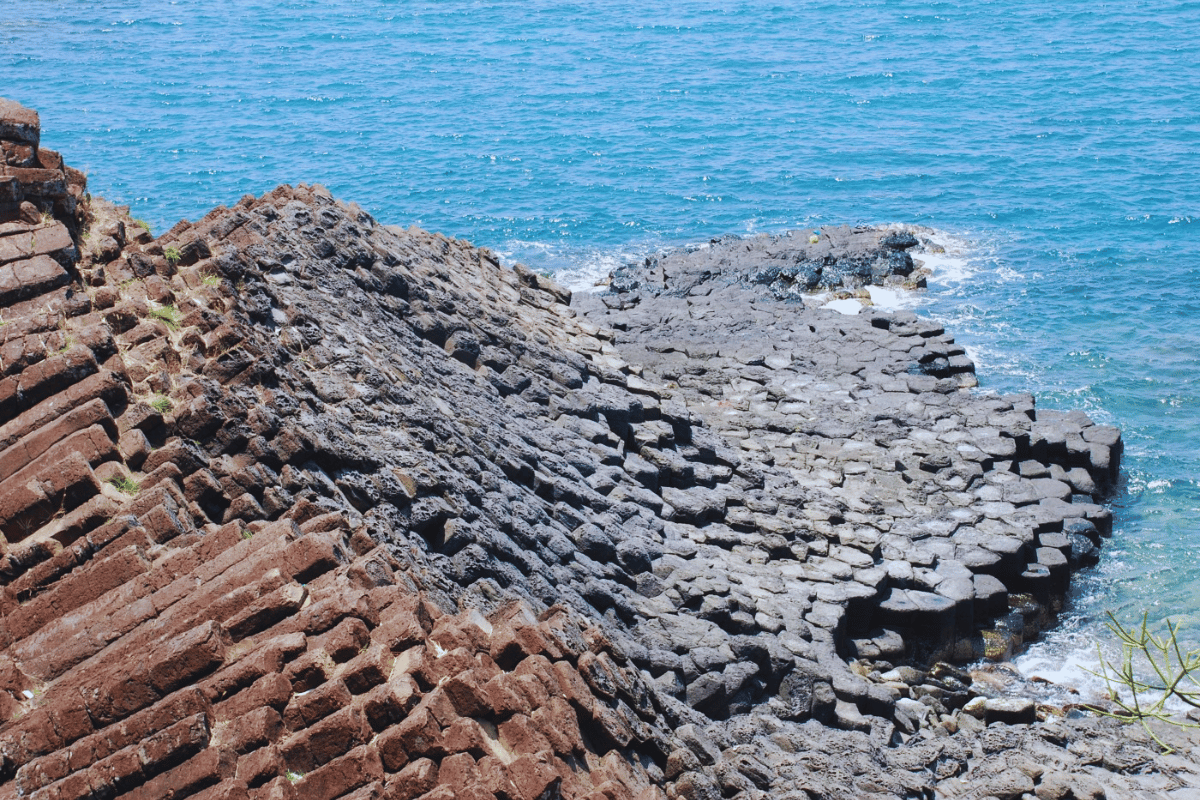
(295, 504)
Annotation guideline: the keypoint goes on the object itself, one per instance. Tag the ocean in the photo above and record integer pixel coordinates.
(1056, 146)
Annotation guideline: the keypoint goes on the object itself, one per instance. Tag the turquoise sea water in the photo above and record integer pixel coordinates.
(1060, 142)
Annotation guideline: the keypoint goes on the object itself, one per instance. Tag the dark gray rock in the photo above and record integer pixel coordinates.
(731, 485)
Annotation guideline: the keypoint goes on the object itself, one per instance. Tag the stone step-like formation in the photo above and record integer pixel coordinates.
(175, 623)
(912, 508)
(297, 504)
(271, 660)
(898, 516)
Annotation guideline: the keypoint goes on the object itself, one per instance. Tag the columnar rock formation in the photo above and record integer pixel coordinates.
(181, 619)
(924, 521)
(295, 504)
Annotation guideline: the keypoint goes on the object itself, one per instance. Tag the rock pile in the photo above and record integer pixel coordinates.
(297, 504)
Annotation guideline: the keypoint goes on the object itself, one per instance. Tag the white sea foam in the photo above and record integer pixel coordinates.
(593, 271)
(580, 270)
(889, 299)
(1067, 665)
(950, 266)
(882, 297)
(848, 307)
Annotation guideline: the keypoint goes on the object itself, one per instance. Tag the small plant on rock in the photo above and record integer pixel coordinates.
(141, 223)
(293, 776)
(172, 255)
(68, 340)
(168, 315)
(1176, 677)
(125, 484)
(211, 280)
(162, 404)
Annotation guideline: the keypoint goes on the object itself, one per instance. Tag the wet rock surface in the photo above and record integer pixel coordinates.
(295, 504)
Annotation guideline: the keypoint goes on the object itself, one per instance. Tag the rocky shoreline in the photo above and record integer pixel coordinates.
(295, 504)
(920, 508)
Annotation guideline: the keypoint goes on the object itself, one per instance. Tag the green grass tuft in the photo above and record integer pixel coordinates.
(167, 315)
(162, 404)
(125, 484)
(172, 254)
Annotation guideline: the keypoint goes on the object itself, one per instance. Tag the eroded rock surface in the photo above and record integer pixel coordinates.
(295, 504)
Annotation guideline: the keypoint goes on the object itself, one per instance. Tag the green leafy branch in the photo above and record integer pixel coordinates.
(1175, 677)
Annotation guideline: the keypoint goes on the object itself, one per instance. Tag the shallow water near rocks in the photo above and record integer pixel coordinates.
(1057, 145)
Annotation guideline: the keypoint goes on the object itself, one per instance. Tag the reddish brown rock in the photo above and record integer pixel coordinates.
(193, 655)
(306, 708)
(252, 730)
(196, 615)
(338, 777)
(532, 777)
(558, 723)
(347, 639)
(18, 123)
(206, 769)
(260, 766)
(418, 736)
(406, 623)
(281, 788)
(468, 696)
(367, 670)
(390, 703)
(233, 789)
(326, 740)
(438, 667)
(271, 690)
(413, 780)
(466, 735)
